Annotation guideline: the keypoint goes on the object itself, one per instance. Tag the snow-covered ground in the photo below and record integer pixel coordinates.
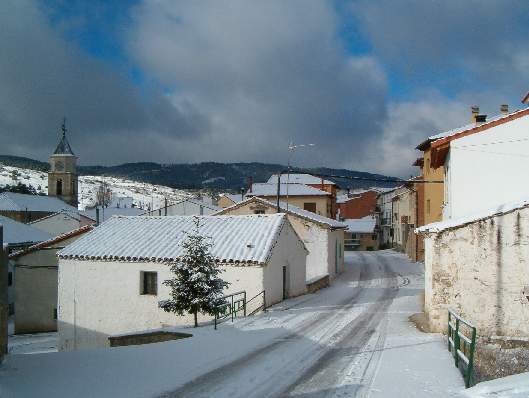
(351, 339)
(516, 386)
(145, 196)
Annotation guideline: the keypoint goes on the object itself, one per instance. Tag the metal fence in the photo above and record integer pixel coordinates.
(236, 303)
(462, 345)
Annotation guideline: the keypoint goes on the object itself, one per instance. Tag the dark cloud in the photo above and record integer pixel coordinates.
(264, 73)
(43, 78)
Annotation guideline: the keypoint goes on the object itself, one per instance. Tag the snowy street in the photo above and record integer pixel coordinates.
(351, 339)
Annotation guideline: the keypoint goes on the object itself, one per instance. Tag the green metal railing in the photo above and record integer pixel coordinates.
(235, 303)
(461, 345)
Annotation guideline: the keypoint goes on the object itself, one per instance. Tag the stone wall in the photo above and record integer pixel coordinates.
(480, 269)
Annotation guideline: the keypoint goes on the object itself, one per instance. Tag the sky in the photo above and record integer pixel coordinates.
(175, 81)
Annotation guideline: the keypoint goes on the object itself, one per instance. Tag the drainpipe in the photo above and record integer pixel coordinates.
(97, 216)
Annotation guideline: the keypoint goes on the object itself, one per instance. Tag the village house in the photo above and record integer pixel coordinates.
(323, 237)
(35, 293)
(185, 207)
(433, 193)
(312, 181)
(228, 199)
(300, 195)
(404, 220)
(17, 236)
(111, 279)
(361, 234)
(384, 218)
(27, 208)
(357, 204)
(475, 259)
(499, 147)
(478, 266)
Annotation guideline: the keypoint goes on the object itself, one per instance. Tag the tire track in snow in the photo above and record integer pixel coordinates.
(323, 326)
(329, 376)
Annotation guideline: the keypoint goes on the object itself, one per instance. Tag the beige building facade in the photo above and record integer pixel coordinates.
(323, 237)
(36, 270)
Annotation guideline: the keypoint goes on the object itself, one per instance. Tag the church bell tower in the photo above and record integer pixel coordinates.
(62, 177)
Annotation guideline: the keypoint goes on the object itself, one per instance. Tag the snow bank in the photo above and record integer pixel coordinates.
(516, 386)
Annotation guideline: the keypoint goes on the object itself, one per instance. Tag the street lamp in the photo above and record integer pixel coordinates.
(291, 149)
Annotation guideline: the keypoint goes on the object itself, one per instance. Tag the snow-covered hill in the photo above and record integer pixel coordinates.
(145, 196)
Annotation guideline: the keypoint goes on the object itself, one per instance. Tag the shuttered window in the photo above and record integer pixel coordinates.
(149, 283)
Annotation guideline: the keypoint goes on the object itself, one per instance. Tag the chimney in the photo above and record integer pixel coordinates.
(97, 216)
(250, 183)
(481, 119)
(475, 113)
(504, 109)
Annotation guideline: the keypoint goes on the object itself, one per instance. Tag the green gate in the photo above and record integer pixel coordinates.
(461, 345)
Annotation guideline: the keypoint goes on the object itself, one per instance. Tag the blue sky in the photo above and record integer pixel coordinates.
(189, 81)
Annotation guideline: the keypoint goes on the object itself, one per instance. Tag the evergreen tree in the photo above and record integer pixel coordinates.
(196, 286)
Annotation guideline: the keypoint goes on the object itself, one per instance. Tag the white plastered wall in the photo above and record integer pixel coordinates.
(102, 298)
(487, 169)
(481, 271)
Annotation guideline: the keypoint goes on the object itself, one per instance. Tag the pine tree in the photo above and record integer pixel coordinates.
(196, 286)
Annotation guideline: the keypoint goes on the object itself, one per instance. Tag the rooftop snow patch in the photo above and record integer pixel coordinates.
(265, 189)
(462, 221)
(11, 201)
(235, 239)
(365, 225)
(17, 232)
(294, 178)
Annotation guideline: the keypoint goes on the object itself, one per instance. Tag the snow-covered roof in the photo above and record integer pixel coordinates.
(296, 178)
(107, 212)
(235, 198)
(52, 241)
(11, 201)
(65, 213)
(365, 225)
(236, 239)
(462, 221)
(265, 189)
(16, 232)
(307, 215)
(470, 126)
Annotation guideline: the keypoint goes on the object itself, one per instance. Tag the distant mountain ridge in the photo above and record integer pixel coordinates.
(216, 176)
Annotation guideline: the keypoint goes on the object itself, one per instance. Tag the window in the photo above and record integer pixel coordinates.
(374, 237)
(11, 308)
(311, 206)
(59, 187)
(55, 313)
(260, 211)
(428, 206)
(149, 283)
(353, 236)
(9, 279)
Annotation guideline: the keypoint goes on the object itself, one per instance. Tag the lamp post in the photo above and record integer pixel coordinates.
(291, 149)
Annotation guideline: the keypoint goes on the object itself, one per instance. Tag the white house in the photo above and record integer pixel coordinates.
(385, 217)
(185, 207)
(485, 163)
(111, 280)
(323, 237)
(61, 222)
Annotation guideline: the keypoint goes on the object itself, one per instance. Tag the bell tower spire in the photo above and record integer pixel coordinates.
(62, 177)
